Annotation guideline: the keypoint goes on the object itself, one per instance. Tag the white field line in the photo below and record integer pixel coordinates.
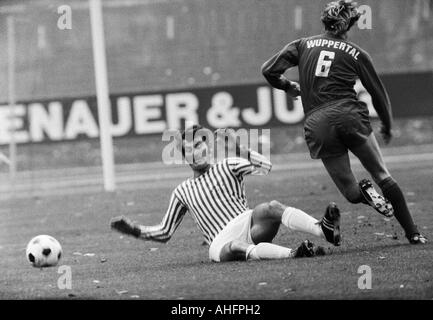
(80, 181)
(133, 168)
(424, 157)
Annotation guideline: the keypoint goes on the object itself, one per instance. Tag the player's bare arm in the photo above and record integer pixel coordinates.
(242, 150)
(161, 232)
(255, 164)
(381, 103)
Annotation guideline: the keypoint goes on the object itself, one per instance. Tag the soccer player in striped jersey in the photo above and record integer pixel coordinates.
(215, 197)
(335, 120)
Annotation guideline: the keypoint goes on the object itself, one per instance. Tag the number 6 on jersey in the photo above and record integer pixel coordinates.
(323, 66)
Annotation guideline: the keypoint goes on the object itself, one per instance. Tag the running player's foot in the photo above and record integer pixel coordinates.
(330, 224)
(374, 199)
(308, 249)
(417, 238)
(126, 226)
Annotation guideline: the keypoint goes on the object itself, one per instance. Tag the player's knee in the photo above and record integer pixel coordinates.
(268, 211)
(265, 231)
(262, 209)
(275, 205)
(275, 210)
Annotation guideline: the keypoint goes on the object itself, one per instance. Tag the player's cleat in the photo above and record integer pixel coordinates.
(126, 226)
(330, 224)
(374, 199)
(307, 249)
(417, 238)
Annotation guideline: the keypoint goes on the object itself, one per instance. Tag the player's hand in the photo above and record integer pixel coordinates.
(125, 225)
(386, 134)
(294, 89)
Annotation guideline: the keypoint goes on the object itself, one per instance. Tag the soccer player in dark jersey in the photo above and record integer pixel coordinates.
(335, 120)
(215, 198)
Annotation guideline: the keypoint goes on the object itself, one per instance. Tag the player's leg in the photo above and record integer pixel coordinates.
(240, 250)
(371, 158)
(339, 170)
(252, 237)
(341, 173)
(265, 222)
(352, 129)
(325, 133)
(249, 236)
(235, 250)
(234, 242)
(267, 217)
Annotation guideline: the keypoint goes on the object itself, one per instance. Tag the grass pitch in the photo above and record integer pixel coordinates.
(107, 265)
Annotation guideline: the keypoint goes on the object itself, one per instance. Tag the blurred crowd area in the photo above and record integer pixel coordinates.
(172, 44)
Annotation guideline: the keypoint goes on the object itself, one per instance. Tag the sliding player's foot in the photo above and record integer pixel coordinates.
(126, 226)
(308, 249)
(330, 224)
(374, 199)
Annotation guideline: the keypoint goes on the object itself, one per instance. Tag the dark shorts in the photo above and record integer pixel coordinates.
(332, 130)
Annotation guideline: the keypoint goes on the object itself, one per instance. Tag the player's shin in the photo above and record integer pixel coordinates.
(268, 251)
(298, 220)
(393, 193)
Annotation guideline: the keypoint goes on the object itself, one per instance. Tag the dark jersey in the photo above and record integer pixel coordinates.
(328, 69)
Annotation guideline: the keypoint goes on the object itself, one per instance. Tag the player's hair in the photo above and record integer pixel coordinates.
(339, 16)
(189, 133)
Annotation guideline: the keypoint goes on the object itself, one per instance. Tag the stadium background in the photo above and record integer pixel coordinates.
(201, 47)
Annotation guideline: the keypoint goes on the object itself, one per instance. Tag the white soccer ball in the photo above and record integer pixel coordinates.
(43, 251)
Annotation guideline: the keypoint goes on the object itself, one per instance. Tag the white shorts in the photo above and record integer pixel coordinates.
(237, 229)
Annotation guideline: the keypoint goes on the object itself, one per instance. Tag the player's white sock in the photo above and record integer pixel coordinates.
(266, 251)
(298, 220)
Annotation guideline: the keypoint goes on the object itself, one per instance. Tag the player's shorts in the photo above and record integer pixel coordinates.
(332, 130)
(237, 229)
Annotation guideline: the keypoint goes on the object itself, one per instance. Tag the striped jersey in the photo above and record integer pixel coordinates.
(213, 199)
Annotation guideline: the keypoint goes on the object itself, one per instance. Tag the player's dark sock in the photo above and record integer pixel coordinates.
(393, 193)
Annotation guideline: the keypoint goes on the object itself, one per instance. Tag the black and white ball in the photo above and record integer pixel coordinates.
(43, 251)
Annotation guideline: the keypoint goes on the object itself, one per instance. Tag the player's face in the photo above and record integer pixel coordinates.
(196, 153)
